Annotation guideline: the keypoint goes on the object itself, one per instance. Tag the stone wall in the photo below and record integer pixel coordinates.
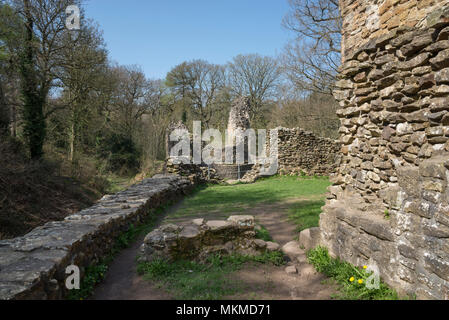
(388, 205)
(33, 266)
(199, 239)
(368, 20)
(302, 152)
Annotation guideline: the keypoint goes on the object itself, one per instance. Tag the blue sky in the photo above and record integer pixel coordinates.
(159, 34)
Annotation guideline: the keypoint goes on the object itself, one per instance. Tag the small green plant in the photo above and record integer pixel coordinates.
(203, 281)
(351, 279)
(387, 214)
(263, 234)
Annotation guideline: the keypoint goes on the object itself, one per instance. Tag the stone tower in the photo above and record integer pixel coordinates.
(388, 206)
(238, 118)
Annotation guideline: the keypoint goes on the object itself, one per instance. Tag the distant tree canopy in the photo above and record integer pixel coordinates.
(63, 98)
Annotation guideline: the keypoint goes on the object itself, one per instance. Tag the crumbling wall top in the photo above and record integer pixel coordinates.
(365, 20)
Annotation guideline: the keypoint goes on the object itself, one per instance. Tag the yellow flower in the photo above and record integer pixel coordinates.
(352, 279)
(360, 281)
(365, 267)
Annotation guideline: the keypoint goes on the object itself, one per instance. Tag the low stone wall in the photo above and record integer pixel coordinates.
(199, 239)
(195, 173)
(33, 266)
(232, 171)
(303, 152)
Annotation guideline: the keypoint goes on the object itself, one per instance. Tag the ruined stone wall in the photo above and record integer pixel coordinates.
(301, 152)
(33, 266)
(368, 20)
(389, 203)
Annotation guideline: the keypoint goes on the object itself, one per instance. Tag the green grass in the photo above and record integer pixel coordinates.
(263, 234)
(342, 273)
(117, 183)
(238, 198)
(306, 214)
(188, 280)
(95, 273)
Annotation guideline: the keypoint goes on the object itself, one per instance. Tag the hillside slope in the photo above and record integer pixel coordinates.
(32, 194)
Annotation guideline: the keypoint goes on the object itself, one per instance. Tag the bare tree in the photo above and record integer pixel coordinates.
(198, 83)
(131, 98)
(315, 112)
(254, 76)
(79, 72)
(312, 59)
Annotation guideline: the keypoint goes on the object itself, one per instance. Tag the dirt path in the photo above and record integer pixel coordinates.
(122, 281)
(265, 282)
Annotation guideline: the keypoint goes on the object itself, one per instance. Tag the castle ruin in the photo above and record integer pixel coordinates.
(388, 205)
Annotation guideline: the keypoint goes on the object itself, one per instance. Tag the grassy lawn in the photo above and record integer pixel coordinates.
(187, 280)
(238, 198)
(305, 214)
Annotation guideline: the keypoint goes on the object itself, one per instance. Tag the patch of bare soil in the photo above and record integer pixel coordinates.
(268, 282)
(258, 281)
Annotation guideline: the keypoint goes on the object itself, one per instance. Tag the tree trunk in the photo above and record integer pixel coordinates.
(4, 113)
(72, 142)
(33, 96)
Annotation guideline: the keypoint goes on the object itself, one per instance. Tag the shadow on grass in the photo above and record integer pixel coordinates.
(306, 214)
(232, 198)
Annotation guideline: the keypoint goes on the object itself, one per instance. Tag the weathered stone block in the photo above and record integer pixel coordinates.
(379, 228)
(196, 242)
(433, 168)
(437, 265)
(442, 76)
(310, 238)
(292, 249)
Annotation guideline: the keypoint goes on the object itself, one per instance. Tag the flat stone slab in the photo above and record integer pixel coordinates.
(243, 221)
(292, 249)
(273, 246)
(218, 224)
(198, 222)
(291, 270)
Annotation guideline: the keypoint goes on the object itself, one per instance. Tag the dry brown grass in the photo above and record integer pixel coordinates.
(33, 193)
